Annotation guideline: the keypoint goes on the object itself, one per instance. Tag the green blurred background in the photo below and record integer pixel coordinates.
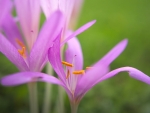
(116, 20)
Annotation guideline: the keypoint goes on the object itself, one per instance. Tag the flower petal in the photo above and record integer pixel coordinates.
(29, 15)
(114, 53)
(11, 30)
(5, 6)
(78, 31)
(74, 53)
(89, 79)
(55, 59)
(98, 70)
(75, 13)
(133, 72)
(12, 54)
(25, 77)
(49, 6)
(49, 32)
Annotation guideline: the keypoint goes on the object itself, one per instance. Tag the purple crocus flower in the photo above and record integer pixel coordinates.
(15, 49)
(29, 52)
(72, 77)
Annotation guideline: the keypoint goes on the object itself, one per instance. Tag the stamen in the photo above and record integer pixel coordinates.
(19, 42)
(22, 52)
(88, 68)
(67, 64)
(78, 72)
(68, 74)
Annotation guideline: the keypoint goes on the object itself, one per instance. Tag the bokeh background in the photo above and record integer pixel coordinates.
(116, 20)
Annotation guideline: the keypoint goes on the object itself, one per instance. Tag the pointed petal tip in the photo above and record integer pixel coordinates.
(93, 21)
(125, 41)
(133, 72)
(89, 24)
(137, 74)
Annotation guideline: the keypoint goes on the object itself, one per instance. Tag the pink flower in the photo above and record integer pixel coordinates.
(72, 77)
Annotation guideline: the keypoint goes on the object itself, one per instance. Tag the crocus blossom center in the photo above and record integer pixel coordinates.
(71, 76)
(23, 48)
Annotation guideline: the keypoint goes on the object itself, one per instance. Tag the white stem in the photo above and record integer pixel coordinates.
(47, 95)
(32, 86)
(60, 101)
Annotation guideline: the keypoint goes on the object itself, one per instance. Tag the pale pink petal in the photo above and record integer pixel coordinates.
(29, 15)
(55, 59)
(12, 54)
(114, 53)
(51, 29)
(89, 78)
(74, 53)
(133, 72)
(49, 6)
(75, 13)
(25, 77)
(99, 69)
(78, 31)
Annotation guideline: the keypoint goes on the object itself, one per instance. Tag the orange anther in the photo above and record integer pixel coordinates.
(88, 68)
(67, 64)
(78, 72)
(22, 52)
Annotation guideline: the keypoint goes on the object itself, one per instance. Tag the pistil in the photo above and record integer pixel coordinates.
(68, 74)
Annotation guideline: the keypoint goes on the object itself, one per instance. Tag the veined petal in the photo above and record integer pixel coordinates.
(74, 53)
(114, 53)
(49, 6)
(25, 77)
(12, 54)
(29, 15)
(99, 69)
(89, 79)
(11, 30)
(55, 59)
(78, 31)
(75, 13)
(5, 6)
(133, 72)
(49, 32)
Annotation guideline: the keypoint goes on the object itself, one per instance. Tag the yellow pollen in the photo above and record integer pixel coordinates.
(78, 72)
(68, 74)
(67, 64)
(88, 68)
(22, 52)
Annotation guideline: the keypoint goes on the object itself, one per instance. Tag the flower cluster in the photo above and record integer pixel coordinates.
(30, 48)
